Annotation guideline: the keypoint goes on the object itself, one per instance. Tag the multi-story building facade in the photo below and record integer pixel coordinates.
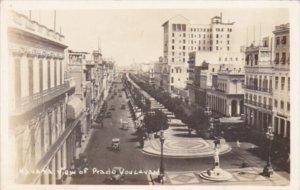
(182, 37)
(258, 85)
(44, 119)
(226, 95)
(203, 66)
(281, 78)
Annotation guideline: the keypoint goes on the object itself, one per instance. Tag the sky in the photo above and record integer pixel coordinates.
(129, 35)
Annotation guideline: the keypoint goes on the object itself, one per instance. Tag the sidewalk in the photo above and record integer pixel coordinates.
(241, 176)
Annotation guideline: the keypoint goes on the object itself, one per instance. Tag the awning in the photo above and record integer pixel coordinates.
(74, 108)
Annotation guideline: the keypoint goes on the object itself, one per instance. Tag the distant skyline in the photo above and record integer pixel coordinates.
(127, 35)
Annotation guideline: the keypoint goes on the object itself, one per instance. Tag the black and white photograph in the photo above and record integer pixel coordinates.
(193, 94)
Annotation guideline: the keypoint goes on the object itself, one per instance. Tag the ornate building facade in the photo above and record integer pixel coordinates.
(44, 119)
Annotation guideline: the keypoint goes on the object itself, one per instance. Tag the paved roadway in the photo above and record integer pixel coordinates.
(130, 157)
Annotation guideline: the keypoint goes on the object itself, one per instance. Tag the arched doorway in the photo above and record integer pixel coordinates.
(233, 107)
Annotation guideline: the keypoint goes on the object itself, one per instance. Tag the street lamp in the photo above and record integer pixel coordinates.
(161, 176)
(268, 170)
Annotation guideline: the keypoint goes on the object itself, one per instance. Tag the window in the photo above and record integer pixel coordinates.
(288, 106)
(228, 35)
(173, 35)
(173, 48)
(282, 83)
(227, 48)
(183, 59)
(277, 58)
(217, 48)
(172, 79)
(183, 47)
(174, 27)
(277, 41)
(199, 48)
(172, 70)
(256, 59)
(217, 35)
(227, 42)
(173, 53)
(283, 58)
(203, 35)
(172, 59)
(288, 83)
(183, 34)
(183, 53)
(173, 41)
(217, 41)
(225, 58)
(282, 105)
(283, 41)
(275, 103)
(41, 74)
(183, 41)
(184, 29)
(276, 82)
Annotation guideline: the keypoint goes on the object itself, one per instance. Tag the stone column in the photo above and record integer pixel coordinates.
(229, 108)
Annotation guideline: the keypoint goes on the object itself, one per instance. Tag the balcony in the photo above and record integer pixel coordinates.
(265, 106)
(256, 88)
(40, 98)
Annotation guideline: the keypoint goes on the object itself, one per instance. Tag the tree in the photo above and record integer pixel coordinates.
(198, 121)
(156, 121)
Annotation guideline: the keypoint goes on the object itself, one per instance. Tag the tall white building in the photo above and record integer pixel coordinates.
(182, 37)
(281, 78)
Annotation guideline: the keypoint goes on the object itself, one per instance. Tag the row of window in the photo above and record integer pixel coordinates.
(57, 66)
(173, 60)
(217, 36)
(179, 27)
(250, 60)
(283, 60)
(199, 48)
(258, 99)
(282, 83)
(231, 59)
(220, 48)
(221, 29)
(281, 40)
(178, 70)
(282, 105)
(200, 29)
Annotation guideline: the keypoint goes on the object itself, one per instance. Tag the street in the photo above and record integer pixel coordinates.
(131, 158)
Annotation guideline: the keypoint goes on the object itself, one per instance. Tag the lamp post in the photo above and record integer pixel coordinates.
(162, 169)
(268, 170)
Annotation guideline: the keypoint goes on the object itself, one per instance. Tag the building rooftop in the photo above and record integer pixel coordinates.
(22, 22)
